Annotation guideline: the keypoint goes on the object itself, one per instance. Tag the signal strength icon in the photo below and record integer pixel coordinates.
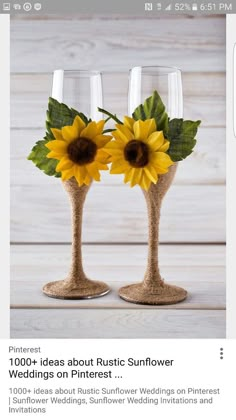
(169, 7)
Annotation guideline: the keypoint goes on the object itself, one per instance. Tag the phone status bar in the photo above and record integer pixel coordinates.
(135, 7)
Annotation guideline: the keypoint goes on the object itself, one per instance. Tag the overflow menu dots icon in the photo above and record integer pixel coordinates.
(221, 353)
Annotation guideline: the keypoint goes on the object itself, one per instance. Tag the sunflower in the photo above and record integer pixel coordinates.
(139, 152)
(79, 149)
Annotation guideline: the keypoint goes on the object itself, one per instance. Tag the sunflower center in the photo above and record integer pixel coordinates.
(136, 153)
(82, 151)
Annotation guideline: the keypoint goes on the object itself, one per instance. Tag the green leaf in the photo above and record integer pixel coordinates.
(58, 115)
(153, 107)
(38, 156)
(181, 135)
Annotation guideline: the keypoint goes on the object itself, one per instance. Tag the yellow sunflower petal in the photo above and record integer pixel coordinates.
(59, 146)
(90, 131)
(121, 141)
(64, 164)
(57, 134)
(118, 162)
(117, 171)
(102, 156)
(139, 132)
(138, 175)
(55, 155)
(120, 159)
(117, 143)
(80, 174)
(131, 177)
(127, 175)
(160, 169)
(67, 174)
(135, 176)
(152, 170)
(100, 126)
(142, 129)
(87, 180)
(119, 165)
(161, 161)
(129, 122)
(162, 158)
(164, 147)
(102, 166)
(101, 140)
(115, 153)
(78, 124)
(70, 133)
(145, 182)
(123, 133)
(121, 169)
(93, 171)
(151, 173)
(156, 140)
(141, 181)
(113, 147)
(151, 126)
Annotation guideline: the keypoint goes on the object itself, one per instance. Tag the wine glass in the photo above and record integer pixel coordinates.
(143, 82)
(81, 90)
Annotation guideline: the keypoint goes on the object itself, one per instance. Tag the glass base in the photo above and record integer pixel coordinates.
(163, 295)
(66, 290)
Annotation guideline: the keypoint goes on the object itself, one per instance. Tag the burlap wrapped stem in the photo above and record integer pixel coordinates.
(153, 290)
(76, 285)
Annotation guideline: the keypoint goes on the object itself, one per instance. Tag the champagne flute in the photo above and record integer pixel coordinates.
(81, 90)
(143, 82)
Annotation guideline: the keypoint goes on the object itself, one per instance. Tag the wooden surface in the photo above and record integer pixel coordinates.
(77, 323)
(198, 269)
(193, 212)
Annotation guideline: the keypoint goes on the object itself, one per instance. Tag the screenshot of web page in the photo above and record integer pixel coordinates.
(118, 124)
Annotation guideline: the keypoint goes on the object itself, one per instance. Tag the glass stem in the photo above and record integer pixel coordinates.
(77, 197)
(152, 278)
(154, 197)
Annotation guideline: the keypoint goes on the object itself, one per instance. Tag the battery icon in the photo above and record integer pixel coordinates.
(194, 6)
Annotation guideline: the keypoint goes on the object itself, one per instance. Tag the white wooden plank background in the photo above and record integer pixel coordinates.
(193, 210)
(118, 214)
(194, 44)
(30, 94)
